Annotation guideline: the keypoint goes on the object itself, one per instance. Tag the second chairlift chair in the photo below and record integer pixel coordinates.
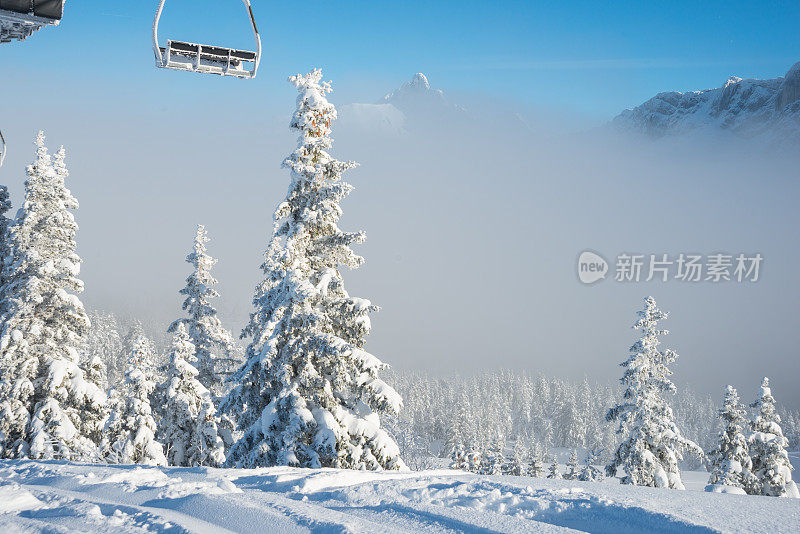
(180, 55)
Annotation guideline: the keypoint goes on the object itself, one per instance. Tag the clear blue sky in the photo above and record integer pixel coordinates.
(590, 57)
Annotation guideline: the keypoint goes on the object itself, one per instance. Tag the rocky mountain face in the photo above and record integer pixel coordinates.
(746, 108)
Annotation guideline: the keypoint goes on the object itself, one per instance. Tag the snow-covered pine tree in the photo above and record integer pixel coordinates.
(554, 472)
(731, 464)
(590, 472)
(474, 460)
(768, 449)
(130, 431)
(19, 363)
(458, 458)
(652, 445)
(189, 427)
(454, 441)
(309, 394)
(137, 339)
(492, 460)
(214, 346)
(573, 470)
(536, 464)
(5, 238)
(517, 462)
(50, 410)
(104, 342)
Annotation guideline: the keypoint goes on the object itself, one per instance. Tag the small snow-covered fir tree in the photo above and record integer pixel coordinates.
(49, 409)
(309, 394)
(214, 346)
(474, 459)
(454, 441)
(493, 459)
(573, 469)
(517, 463)
(189, 428)
(458, 458)
(731, 464)
(652, 445)
(554, 472)
(768, 449)
(130, 431)
(590, 471)
(536, 465)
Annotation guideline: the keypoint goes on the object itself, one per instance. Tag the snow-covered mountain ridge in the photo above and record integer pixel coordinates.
(745, 107)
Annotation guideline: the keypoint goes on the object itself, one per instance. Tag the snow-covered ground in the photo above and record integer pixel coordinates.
(62, 497)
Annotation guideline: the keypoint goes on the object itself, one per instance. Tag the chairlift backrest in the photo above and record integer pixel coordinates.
(20, 18)
(206, 59)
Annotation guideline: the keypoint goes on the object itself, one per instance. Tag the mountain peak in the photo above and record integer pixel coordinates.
(732, 80)
(418, 89)
(420, 80)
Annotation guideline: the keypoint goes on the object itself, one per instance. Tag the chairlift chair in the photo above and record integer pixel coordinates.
(20, 18)
(180, 55)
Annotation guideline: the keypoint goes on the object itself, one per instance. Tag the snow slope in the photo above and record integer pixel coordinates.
(61, 497)
(750, 108)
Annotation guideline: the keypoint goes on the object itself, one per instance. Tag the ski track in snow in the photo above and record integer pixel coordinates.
(60, 497)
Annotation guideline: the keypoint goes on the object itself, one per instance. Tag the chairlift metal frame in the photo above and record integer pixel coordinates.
(19, 19)
(205, 59)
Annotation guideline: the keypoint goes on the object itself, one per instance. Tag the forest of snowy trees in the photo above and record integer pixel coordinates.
(90, 386)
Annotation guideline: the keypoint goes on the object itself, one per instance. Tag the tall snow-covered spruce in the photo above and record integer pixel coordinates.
(213, 344)
(49, 408)
(309, 394)
(652, 445)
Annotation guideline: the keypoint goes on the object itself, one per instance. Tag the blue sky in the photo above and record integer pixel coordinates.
(588, 57)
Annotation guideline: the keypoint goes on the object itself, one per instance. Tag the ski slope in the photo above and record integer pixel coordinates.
(62, 497)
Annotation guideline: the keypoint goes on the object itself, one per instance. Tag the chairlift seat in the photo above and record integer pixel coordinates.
(207, 59)
(182, 55)
(211, 53)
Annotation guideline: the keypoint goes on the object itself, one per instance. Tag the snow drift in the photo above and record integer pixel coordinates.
(62, 497)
